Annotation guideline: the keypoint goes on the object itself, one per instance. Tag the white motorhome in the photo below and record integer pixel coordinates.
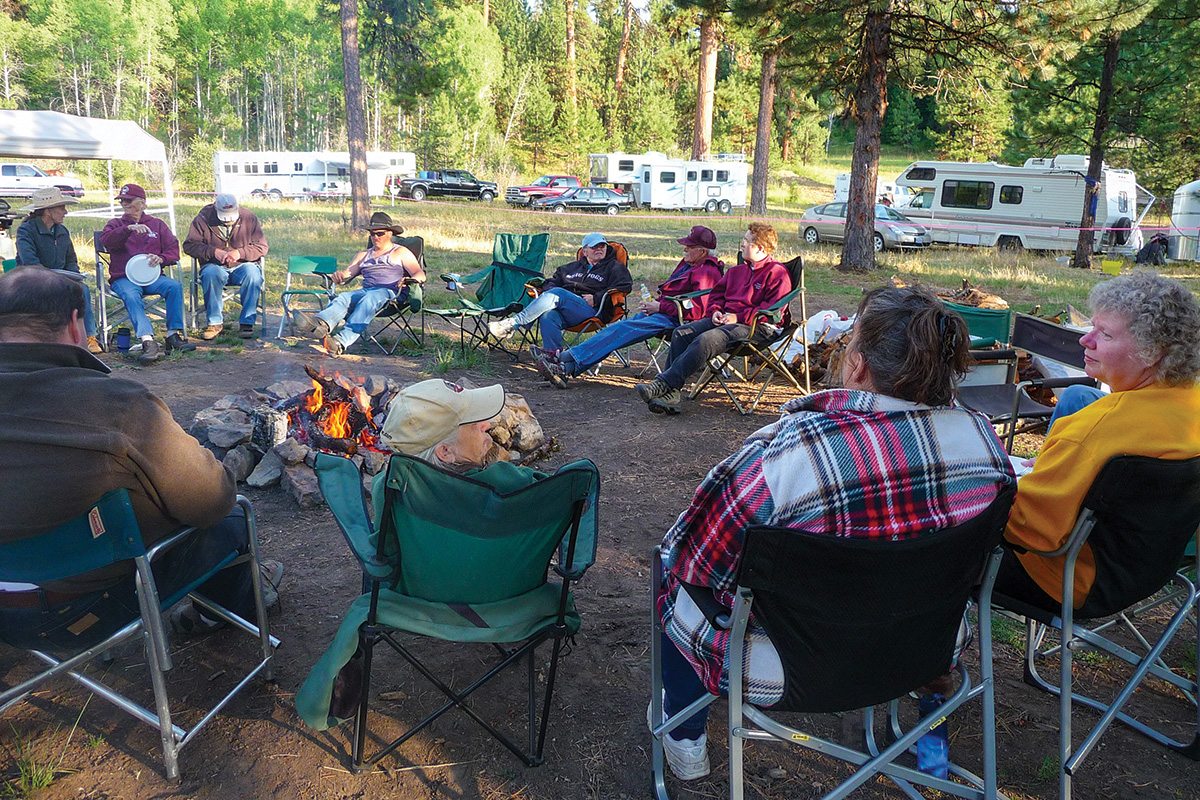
(1036, 206)
(898, 196)
(1184, 241)
(656, 181)
(294, 174)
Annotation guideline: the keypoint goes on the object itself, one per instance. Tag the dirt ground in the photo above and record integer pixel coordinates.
(598, 746)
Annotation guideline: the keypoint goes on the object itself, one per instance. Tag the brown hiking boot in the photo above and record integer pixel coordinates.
(211, 332)
(151, 352)
(93, 346)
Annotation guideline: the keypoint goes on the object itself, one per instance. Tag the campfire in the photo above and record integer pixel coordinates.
(336, 416)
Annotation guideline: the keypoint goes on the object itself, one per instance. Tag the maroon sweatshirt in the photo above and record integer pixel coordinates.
(746, 290)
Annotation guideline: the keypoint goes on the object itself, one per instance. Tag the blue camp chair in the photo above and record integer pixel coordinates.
(109, 534)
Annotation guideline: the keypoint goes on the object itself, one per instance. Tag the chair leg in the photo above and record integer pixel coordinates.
(367, 642)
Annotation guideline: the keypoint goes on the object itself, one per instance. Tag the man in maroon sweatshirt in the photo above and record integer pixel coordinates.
(744, 292)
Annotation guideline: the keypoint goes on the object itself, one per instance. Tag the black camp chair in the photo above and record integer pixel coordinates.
(398, 315)
(845, 650)
(1138, 517)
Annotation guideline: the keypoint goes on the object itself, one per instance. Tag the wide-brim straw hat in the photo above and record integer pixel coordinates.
(50, 197)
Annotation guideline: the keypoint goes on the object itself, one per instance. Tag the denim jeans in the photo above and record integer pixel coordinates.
(89, 311)
(557, 309)
(1072, 399)
(213, 279)
(682, 687)
(623, 333)
(693, 344)
(131, 294)
(357, 308)
(49, 626)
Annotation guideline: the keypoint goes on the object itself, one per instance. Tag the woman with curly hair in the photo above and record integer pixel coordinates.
(1145, 345)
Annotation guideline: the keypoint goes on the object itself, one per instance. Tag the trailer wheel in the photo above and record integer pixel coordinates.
(418, 193)
(711, 206)
(275, 195)
(725, 207)
(811, 236)
(1120, 232)
(1009, 244)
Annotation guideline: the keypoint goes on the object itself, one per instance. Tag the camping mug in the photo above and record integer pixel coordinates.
(123, 339)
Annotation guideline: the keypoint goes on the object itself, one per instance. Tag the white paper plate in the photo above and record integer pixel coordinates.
(139, 271)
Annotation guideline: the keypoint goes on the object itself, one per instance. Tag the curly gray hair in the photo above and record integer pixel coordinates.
(1164, 318)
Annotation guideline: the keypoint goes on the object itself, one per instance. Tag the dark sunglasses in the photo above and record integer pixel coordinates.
(380, 233)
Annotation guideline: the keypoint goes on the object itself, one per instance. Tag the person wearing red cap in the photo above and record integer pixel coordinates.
(698, 270)
(138, 233)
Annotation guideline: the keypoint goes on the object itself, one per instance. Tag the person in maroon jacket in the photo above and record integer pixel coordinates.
(138, 233)
(741, 295)
(698, 270)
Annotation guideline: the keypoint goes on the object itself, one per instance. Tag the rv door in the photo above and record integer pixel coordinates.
(691, 190)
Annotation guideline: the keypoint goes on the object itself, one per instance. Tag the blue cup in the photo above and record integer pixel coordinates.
(123, 339)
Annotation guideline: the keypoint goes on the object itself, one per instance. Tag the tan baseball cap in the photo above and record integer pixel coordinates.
(427, 413)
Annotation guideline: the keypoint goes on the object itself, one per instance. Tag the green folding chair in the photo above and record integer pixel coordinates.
(453, 558)
(517, 259)
(9, 263)
(987, 326)
(313, 277)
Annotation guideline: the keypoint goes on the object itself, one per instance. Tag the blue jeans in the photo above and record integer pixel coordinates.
(214, 277)
(357, 308)
(557, 309)
(682, 687)
(49, 626)
(89, 311)
(131, 294)
(1072, 399)
(623, 333)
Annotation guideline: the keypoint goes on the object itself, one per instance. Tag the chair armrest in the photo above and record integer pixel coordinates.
(1059, 383)
(717, 615)
(992, 355)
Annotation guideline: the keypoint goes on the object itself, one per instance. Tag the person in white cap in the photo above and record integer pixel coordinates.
(571, 295)
(228, 242)
(43, 240)
(447, 425)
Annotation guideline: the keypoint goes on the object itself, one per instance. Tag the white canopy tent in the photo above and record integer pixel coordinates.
(50, 134)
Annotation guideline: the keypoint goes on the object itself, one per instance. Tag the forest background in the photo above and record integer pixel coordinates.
(510, 89)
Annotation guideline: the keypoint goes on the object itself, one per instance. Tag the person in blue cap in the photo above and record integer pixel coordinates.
(572, 295)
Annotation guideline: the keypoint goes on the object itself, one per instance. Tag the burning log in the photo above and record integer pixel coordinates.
(329, 443)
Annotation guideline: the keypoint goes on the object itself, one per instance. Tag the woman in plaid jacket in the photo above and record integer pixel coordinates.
(887, 456)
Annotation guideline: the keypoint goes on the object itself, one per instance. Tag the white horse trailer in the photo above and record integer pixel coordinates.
(1184, 241)
(621, 170)
(693, 185)
(284, 173)
(1036, 206)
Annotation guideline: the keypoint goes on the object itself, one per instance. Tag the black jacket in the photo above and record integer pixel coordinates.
(581, 279)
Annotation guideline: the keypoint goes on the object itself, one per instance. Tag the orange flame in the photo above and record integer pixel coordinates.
(314, 401)
(337, 424)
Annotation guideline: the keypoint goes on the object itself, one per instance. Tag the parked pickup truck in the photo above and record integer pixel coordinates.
(448, 183)
(545, 186)
(21, 180)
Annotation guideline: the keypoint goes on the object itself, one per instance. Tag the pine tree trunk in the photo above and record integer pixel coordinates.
(870, 103)
(622, 54)
(356, 128)
(572, 84)
(762, 138)
(706, 86)
(1087, 236)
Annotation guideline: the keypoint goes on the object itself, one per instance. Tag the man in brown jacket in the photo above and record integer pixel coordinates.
(228, 242)
(69, 433)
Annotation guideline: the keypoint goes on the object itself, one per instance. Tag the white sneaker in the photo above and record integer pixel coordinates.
(687, 758)
(501, 328)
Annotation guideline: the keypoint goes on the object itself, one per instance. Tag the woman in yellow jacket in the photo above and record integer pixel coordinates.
(1145, 344)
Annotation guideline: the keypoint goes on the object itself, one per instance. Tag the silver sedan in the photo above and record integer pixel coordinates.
(827, 223)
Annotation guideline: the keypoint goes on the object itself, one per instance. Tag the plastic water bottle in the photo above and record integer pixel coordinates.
(645, 294)
(933, 749)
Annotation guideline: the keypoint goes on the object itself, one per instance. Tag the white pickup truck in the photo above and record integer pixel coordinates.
(21, 180)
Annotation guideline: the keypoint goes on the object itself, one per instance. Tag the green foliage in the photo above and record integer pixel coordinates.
(974, 116)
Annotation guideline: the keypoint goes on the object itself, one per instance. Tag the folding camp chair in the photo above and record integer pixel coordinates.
(771, 335)
(107, 299)
(398, 315)
(1009, 403)
(612, 302)
(458, 560)
(304, 271)
(843, 649)
(1138, 517)
(229, 292)
(516, 260)
(106, 535)
(986, 326)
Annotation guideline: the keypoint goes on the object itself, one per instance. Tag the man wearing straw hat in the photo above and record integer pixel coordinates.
(43, 240)
(137, 233)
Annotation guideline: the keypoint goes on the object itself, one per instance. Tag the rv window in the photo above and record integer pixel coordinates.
(967, 194)
(922, 174)
(722, 175)
(231, 167)
(666, 177)
(1123, 202)
(691, 175)
(625, 165)
(271, 167)
(251, 169)
(1011, 195)
(706, 174)
(297, 167)
(646, 179)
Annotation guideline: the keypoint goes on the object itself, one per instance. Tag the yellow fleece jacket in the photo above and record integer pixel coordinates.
(1157, 421)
